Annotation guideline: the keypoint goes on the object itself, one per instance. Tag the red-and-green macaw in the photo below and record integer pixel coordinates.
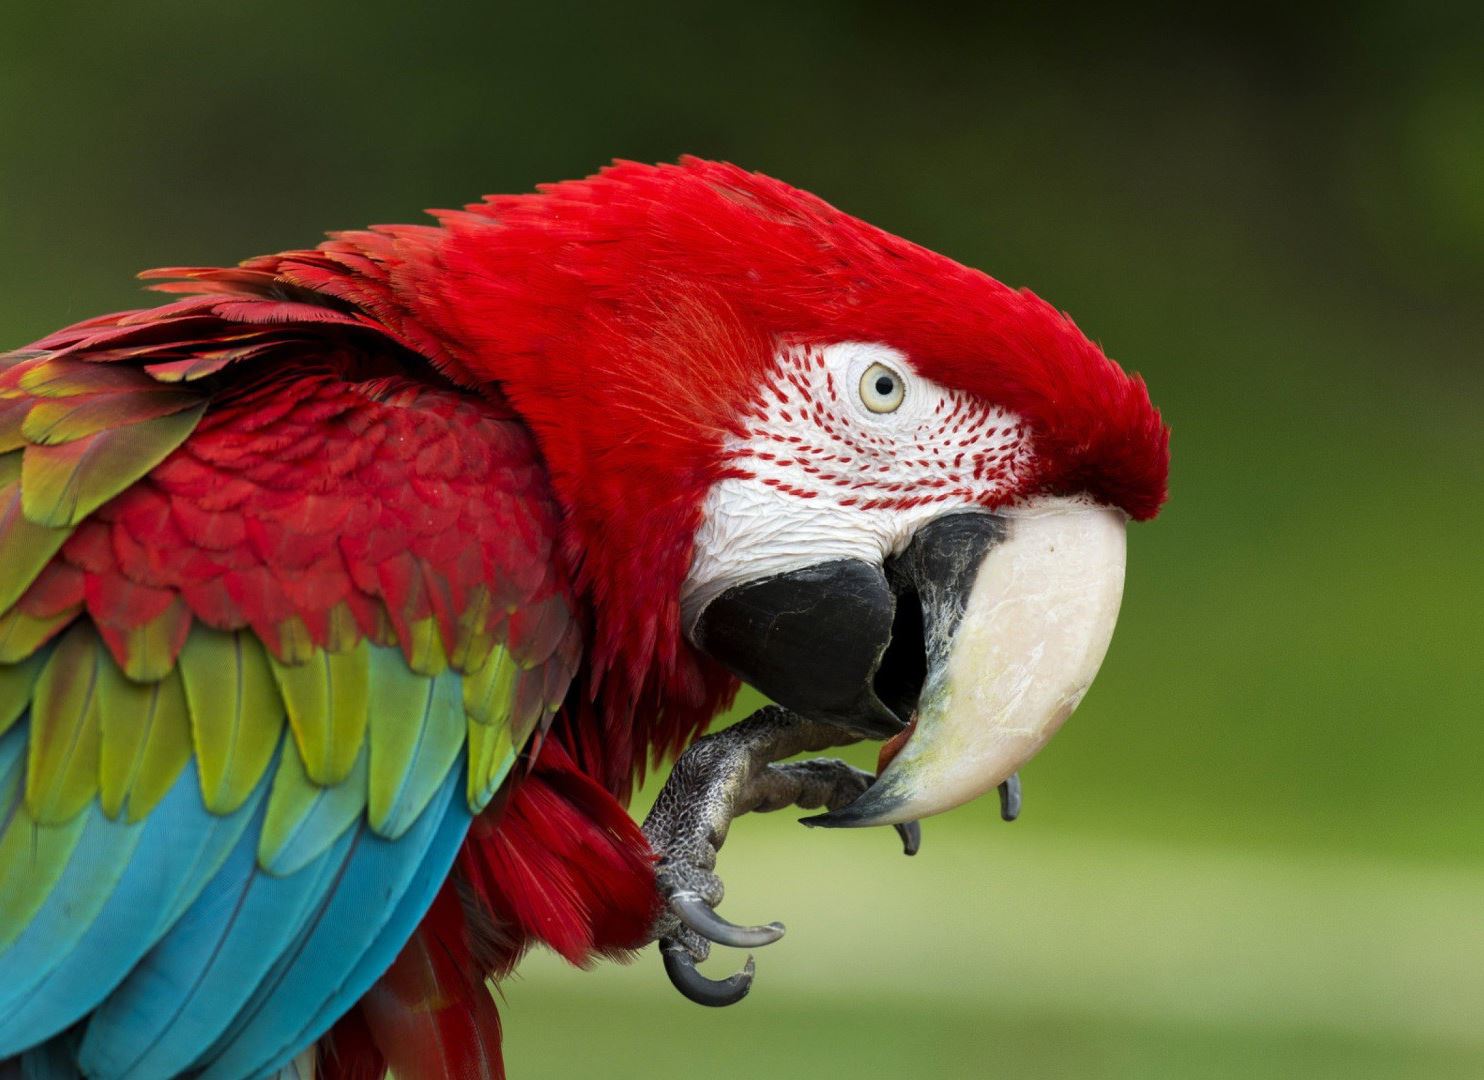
(344, 597)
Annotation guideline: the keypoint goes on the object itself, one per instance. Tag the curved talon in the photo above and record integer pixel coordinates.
(715, 993)
(1010, 798)
(693, 910)
(911, 834)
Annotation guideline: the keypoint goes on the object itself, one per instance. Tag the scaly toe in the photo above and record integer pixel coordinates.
(693, 910)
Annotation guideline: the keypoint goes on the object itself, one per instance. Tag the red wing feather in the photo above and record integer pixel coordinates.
(329, 475)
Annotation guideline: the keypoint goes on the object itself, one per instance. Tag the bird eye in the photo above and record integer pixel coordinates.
(882, 389)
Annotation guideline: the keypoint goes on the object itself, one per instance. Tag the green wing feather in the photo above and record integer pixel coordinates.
(489, 692)
(66, 733)
(25, 547)
(305, 818)
(16, 681)
(146, 740)
(65, 420)
(416, 732)
(22, 633)
(32, 858)
(491, 753)
(96, 732)
(151, 647)
(327, 697)
(12, 416)
(63, 483)
(376, 723)
(475, 640)
(426, 655)
(236, 713)
(40, 375)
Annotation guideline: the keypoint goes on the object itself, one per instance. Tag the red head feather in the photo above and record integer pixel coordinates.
(632, 319)
(632, 316)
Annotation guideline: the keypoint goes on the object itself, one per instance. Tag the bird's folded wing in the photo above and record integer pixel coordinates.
(279, 606)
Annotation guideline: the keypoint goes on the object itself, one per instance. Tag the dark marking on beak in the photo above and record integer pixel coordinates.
(864, 811)
(847, 642)
(938, 568)
(931, 578)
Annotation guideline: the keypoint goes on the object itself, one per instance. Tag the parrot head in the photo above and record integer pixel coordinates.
(884, 489)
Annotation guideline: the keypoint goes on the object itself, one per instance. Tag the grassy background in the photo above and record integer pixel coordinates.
(1256, 850)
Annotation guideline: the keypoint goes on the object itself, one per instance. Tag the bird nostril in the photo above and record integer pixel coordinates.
(903, 669)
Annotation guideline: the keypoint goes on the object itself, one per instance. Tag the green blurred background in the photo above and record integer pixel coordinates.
(1258, 850)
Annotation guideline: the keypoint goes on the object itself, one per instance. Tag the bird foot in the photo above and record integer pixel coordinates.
(717, 780)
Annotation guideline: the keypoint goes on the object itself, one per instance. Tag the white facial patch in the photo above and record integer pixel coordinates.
(820, 475)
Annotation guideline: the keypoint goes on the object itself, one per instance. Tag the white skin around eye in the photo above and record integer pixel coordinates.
(824, 477)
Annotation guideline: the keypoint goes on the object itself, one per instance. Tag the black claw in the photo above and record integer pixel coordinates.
(692, 910)
(715, 993)
(911, 834)
(1010, 798)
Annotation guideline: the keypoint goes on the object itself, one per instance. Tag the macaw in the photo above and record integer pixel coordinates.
(345, 597)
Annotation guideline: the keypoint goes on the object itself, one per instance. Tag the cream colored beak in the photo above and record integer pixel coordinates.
(1032, 634)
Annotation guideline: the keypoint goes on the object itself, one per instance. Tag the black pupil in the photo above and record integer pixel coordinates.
(884, 385)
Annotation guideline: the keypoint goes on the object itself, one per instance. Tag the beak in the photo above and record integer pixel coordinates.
(810, 639)
(985, 633)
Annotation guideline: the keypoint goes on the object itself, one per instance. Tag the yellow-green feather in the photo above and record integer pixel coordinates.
(491, 753)
(68, 377)
(16, 681)
(146, 741)
(236, 713)
(62, 484)
(150, 647)
(327, 698)
(22, 634)
(62, 420)
(32, 858)
(425, 652)
(416, 731)
(305, 818)
(343, 632)
(65, 736)
(295, 646)
(25, 547)
(489, 692)
(474, 639)
(12, 416)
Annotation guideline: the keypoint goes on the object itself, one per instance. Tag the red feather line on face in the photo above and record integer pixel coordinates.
(963, 461)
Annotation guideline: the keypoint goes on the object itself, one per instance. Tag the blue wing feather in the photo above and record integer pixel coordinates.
(94, 869)
(441, 851)
(176, 950)
(181, 996)
(363, 923)
(321, 823)
(182, 847)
